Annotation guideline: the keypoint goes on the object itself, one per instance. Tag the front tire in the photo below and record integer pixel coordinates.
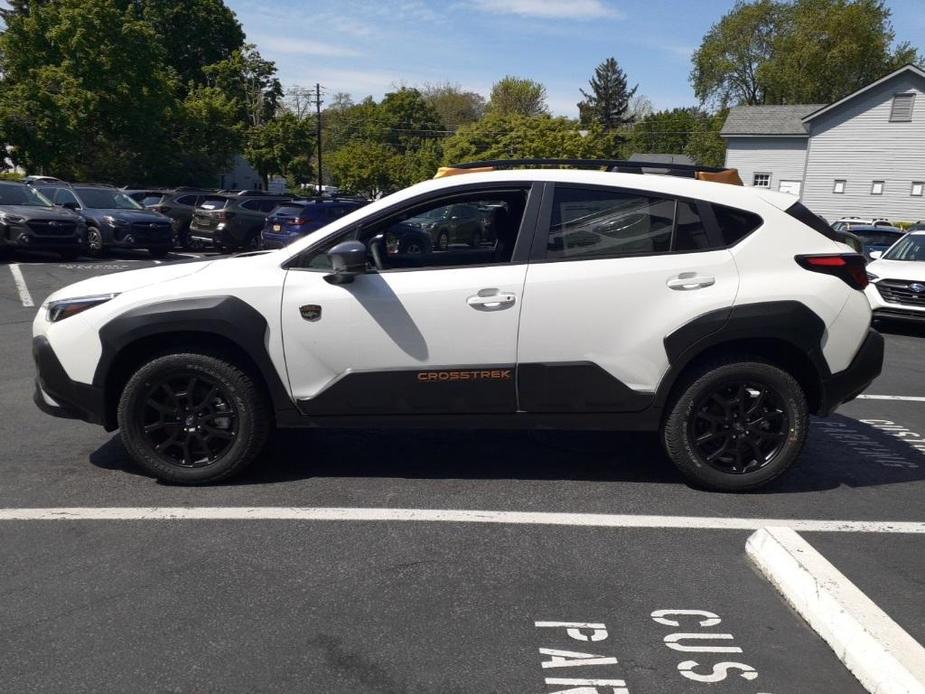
(95, 246)
(193, 418)
(737, 425)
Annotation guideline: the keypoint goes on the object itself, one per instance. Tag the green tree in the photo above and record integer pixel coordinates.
(608, 102)
(805, 51)
(705, 146)
(516, 96)
(454, 106)
(251, 80)
(409, 119)
(365, 168)
(689, 131)
(283, 145)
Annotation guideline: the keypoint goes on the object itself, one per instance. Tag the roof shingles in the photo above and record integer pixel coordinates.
(768, 120)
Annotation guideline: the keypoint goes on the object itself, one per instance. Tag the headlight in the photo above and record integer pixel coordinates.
(11, 218)
(113, 221)
(872, 277)
(65, 308)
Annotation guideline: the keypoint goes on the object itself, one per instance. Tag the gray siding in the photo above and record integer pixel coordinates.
(858, 143)
(782, 157)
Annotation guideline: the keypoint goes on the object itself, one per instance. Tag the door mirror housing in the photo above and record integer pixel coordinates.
(348, 259)
(875, 255)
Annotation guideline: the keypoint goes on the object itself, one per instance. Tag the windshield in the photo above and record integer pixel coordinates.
(105, 199)
(214, 202)
(911, 247)
(22, 195)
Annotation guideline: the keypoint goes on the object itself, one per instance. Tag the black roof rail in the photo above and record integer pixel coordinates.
(621, 165)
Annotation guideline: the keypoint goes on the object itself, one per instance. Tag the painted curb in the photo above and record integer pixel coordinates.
(880, 653)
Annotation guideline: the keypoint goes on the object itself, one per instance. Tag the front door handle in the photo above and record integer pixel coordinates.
(690, 280)
(491, 300)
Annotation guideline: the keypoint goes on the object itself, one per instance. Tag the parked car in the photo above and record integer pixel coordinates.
(848, 223)
(180, 206)
(28, 220)
(233, 222)
(877, 238)
(456, 224)
(113, 219)
(31, 180)
(296, 218)
(723, 333)
(897, 279)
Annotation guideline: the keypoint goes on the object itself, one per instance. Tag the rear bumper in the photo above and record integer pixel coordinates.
(56, 394)
(271, 240)
(848, 384)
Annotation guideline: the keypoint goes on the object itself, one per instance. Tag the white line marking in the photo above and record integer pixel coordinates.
(21, 287)
(909, 398)
(879, 652)
(591, 520)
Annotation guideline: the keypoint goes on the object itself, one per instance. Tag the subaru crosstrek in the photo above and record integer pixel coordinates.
(28, 220)
(719, 316)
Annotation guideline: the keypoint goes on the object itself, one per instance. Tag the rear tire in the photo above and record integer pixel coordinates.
(736, 425)
(193, 418)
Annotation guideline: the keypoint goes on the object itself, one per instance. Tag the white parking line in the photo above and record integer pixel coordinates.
(909, 398)
(879, 652)
(592, 520)
(21, 287)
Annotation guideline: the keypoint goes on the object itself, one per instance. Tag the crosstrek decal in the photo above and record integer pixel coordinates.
(468, 375)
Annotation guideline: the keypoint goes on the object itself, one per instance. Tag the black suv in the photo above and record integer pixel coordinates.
(28, 220)
(113, 219)
(233, 222)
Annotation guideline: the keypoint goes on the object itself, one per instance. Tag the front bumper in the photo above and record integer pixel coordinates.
(848, 384)
(20, 235)
(898, 310)
(56, 394)
(129, 237)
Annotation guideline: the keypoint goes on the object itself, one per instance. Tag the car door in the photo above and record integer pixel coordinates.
(426, 332)
(613, 274)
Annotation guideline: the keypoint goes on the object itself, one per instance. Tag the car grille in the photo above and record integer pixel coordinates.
(48, 227)
(901, 292)
(148, 231)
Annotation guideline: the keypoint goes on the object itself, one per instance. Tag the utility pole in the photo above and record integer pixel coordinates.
(318, 137)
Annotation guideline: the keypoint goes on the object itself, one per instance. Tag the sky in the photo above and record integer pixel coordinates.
(368, 47)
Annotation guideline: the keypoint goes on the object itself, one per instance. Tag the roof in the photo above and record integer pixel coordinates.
(660, 158)
(908, 68)
(769, 121)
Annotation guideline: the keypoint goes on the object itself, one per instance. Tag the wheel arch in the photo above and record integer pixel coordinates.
(225, 325)
(786, 334)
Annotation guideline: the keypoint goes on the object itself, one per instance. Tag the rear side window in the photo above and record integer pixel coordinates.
(337, 211)
(803, 214)
(735, 225)
(187, 199)
(691, 232)
(589, 223)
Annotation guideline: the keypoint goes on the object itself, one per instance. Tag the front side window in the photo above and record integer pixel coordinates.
(586, 223)
(438, 234)
(762, 180)
(64, 196)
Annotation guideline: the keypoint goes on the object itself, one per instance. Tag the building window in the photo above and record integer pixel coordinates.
(902, 108)
(839, 186)
(918, 187)
(762, 180)
(876, 188)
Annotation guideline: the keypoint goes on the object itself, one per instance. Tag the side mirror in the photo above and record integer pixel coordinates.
(874, 255)
(70, 205)
(348, 259)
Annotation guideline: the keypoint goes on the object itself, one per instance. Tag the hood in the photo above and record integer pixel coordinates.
(119, 282)
(34, 212)
(898, 269)
(132, 215)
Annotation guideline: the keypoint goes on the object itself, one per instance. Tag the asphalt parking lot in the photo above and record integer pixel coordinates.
(395, 605)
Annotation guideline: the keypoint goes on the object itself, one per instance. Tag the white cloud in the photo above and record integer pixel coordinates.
(292, 46)
(551, 9)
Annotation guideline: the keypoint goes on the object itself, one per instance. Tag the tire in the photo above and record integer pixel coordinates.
(95, 247)
(756, 412)
(443, 241)
(159, 252)
(222, 394)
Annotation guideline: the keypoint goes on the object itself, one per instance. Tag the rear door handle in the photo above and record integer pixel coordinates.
(690, 280)
(491, 300)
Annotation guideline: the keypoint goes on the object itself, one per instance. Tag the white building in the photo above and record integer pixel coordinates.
(863, 155)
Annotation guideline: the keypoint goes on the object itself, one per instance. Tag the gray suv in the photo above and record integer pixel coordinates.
(233, 222)
(28, 220)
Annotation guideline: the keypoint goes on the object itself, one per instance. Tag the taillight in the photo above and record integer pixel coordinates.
(298, 221)
(848, 267)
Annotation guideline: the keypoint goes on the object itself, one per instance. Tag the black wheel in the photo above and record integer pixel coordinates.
(193, 418)
(443, 241)
(159, 252)
(95, 242)
(735, 426)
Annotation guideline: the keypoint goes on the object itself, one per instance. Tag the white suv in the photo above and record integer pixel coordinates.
(897, 279)
(718, 315)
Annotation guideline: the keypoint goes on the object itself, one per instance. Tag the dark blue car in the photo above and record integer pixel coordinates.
(877, 238)
(298, 218)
